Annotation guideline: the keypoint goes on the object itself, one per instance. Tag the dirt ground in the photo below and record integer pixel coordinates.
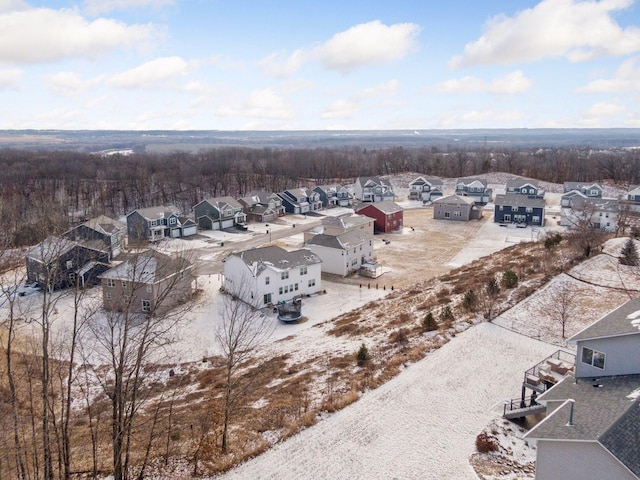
(420, 252)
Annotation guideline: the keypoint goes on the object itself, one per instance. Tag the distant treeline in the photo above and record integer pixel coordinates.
(44, 192)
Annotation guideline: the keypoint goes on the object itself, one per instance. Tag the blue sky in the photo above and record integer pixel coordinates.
(272, 65)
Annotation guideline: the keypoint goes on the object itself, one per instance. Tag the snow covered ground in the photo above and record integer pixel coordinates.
(420, 425)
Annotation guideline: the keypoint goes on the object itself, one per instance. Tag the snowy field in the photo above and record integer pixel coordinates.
(420, 425)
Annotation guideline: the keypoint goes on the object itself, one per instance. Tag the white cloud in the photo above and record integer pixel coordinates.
(600, 114)
(151, 73)
(625, 79)
(576, 30)
(509, 84)
(68, 84)
(259, 104)
(341, 109)
(367, 44)
(95, 7)
(10, 78)
(278, 65)
(387, 89)
(38, 35)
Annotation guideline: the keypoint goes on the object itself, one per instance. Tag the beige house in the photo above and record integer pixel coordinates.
(147, 283)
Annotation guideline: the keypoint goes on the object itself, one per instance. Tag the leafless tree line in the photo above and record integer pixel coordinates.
(46, 189)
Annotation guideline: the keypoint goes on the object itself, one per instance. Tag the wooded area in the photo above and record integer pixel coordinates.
(44, 192)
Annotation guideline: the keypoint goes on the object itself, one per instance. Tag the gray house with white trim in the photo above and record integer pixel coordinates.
(592, 427)
(457, 208)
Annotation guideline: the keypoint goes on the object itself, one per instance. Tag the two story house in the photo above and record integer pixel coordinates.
(579, 190)
(334, 196)
(523, 186)
(388, 216)
(456, 207)
(218, 213)
(110, 232)
(519, 208)
(344, 253)
(591, 429)
(155, 223)
(57, 263)
(148, 282)
(426, 189)
(261, 206)
(270, 275)
(474, 188)
(373, 189)
(593, 212)
(300, 200)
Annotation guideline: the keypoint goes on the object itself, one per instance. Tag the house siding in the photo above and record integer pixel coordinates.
(621, 356)
(137, 228)
(569, 460)
(343, 262)
(383, 222)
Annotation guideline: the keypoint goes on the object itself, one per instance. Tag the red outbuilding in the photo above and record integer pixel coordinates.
(388, 215)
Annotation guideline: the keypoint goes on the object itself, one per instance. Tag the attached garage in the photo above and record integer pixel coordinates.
(175, 232)
(227, 223)
(188, 231)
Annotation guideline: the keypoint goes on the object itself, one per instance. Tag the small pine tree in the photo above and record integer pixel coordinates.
(429, 323)
(629, 254)
(446, 315)
(470, 301)
(493, 288)
(552, 240)
(363, 355)
(509, 279)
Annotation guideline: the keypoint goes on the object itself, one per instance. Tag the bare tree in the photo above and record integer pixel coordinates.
(242, 331)
(133, 335)
(562, 305)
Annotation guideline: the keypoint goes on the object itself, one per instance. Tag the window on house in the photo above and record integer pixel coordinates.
(266, 280)
(535, 219)
(514, 208)
(109, 296)
(124, 284)
(280, 290)
(593, 357)
(146, 305)
(286, 289)
(529, 209)
(149, 288)
(296, 287)
(303, 270)
(69, 264)
(507, 218)
(312, 282)
(172, 221)
(111, 282)
(501, 208)
(457, 214)
(267, 298)
(284, 275)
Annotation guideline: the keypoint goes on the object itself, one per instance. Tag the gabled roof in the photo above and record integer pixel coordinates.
(386, 206)
(455, 200)
(568, 186)
(430, 180)
(258, 259)
(634, 190)
(148, 267)
(608, 414)
(347, 220)
(264, 196)
(521, 182)
(582, 202)
(624, 320)
(222, 202)
(333, 188)
(517, 200)
(370, 181)
(344, 241)
(105, 225)
(52, 248)
(472, 181)
(156, 213)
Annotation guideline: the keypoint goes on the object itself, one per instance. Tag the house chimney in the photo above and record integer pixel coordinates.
(572, 403)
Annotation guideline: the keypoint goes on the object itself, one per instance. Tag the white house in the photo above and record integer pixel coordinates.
(343, 254)
(598, 213)
(373, 189)
(269, 275)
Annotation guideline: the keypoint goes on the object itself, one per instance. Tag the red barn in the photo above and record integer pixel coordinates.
(388, 215)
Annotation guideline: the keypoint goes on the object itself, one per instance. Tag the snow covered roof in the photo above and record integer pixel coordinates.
(156, 213)
(257, 259)
(468, 181)
(344, 241)
(148, 267)
(347, 220)
(455, 200)
(517, 200)
(521, 182)
(104, 224)
(386, 206)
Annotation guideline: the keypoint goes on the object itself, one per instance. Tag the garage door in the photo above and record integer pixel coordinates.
(188, 231)
(227, 223)
(175, 232)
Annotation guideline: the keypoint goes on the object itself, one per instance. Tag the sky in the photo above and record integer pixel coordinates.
(329, 65)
